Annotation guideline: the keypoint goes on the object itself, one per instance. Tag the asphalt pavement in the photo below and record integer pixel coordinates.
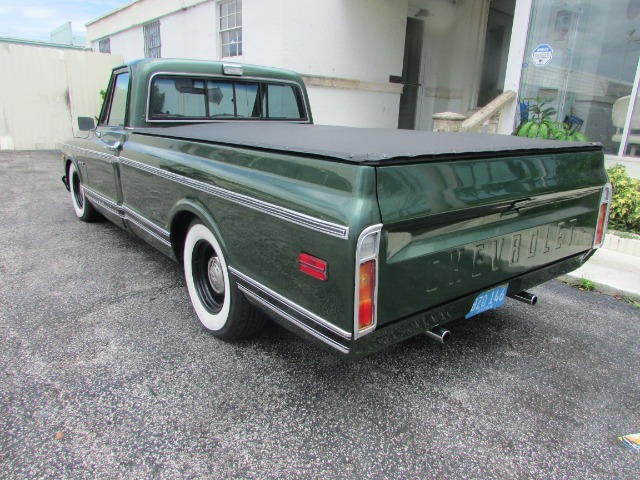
(106, 373)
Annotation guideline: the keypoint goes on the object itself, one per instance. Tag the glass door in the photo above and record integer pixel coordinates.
(626, 115)
(581, 59)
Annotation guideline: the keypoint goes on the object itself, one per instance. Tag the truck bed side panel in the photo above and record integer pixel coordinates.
(159, 173)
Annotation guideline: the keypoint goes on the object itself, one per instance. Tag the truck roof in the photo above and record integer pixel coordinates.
(143, 70)
(148, 66)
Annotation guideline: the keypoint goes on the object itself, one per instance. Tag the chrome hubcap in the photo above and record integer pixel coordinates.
(216, 278)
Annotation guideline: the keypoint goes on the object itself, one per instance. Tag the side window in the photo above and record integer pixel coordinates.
(118, 109)
(281, 101)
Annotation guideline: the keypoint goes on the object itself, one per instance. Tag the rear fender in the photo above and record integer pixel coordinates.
(182, 214)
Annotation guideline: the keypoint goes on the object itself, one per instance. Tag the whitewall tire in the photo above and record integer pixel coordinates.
(219, 305)
(83, 209)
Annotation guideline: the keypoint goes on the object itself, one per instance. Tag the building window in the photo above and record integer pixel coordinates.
(231, 28)
(104, 45)
(152, 40)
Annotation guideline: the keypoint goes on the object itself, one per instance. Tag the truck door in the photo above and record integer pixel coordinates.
(102, 162)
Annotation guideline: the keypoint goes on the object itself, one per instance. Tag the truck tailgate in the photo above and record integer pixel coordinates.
(456, 227)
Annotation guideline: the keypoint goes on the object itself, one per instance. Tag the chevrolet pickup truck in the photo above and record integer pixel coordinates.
(353, 238)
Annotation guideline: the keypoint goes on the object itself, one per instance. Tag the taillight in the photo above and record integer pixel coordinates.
(366, 291)
(366, 301)
(603, 215)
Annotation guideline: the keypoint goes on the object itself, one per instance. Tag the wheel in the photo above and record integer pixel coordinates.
(84, 210)
(220, 306)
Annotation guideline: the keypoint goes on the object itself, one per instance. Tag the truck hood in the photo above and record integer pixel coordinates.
(370, 146)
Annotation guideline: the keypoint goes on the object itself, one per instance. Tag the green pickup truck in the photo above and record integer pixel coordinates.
(353, 238)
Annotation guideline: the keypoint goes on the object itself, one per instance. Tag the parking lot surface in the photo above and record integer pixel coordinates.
(105, 372)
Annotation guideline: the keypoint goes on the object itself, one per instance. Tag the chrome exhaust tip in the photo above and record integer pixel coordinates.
(439, 334)
(525, 297)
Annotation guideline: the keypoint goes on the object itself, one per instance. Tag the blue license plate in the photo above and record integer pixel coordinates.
(493, 298)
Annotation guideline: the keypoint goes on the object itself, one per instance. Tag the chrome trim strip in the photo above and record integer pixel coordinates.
(292, 216)
(104, 202)
(125, 213)
(106, 156)
(293, 306)
(150, 228)
(135, 216)
(299, 324)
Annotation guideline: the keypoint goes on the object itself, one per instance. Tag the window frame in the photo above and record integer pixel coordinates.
(105, 42)
(105, 113)
(261, 81)
(235, 28)
(151, 33)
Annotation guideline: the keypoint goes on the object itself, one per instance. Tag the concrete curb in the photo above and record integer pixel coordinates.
(614, 269)
(630, 246)
(598, 287)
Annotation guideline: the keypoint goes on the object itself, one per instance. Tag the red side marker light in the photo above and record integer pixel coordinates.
(313, 266)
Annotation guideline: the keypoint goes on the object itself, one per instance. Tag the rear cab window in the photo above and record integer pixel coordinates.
(175, 98)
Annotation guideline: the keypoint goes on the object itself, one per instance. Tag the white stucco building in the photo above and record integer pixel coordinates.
(394, 63)
(351, 52)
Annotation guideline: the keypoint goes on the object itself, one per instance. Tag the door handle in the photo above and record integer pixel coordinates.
(115, 146)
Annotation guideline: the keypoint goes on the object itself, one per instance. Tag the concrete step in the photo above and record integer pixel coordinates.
(617, 243)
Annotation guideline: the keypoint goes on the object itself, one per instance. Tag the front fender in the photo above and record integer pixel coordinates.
(67, 159)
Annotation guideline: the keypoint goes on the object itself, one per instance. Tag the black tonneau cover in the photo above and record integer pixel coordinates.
(362, 145)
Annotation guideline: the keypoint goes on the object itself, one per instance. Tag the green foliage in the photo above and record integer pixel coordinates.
(540, 124)
(157, 99)
(586, 284)
(625, 205)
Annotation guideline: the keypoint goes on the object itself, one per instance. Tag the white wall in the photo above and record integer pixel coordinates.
(190, 33)
(128, 43)
(361, 41)
(353, 108)
(187, 29)
(134, 14)
(40, 106)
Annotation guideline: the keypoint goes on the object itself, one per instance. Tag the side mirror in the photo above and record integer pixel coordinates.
(86, 123)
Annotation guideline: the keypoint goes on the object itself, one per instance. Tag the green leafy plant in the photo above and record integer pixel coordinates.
(625, 204)
(586, 284)
(157, 99)
(539, 123)
(103, 94)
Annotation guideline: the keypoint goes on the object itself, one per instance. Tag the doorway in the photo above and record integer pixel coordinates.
(411, 74)
(455, 57)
